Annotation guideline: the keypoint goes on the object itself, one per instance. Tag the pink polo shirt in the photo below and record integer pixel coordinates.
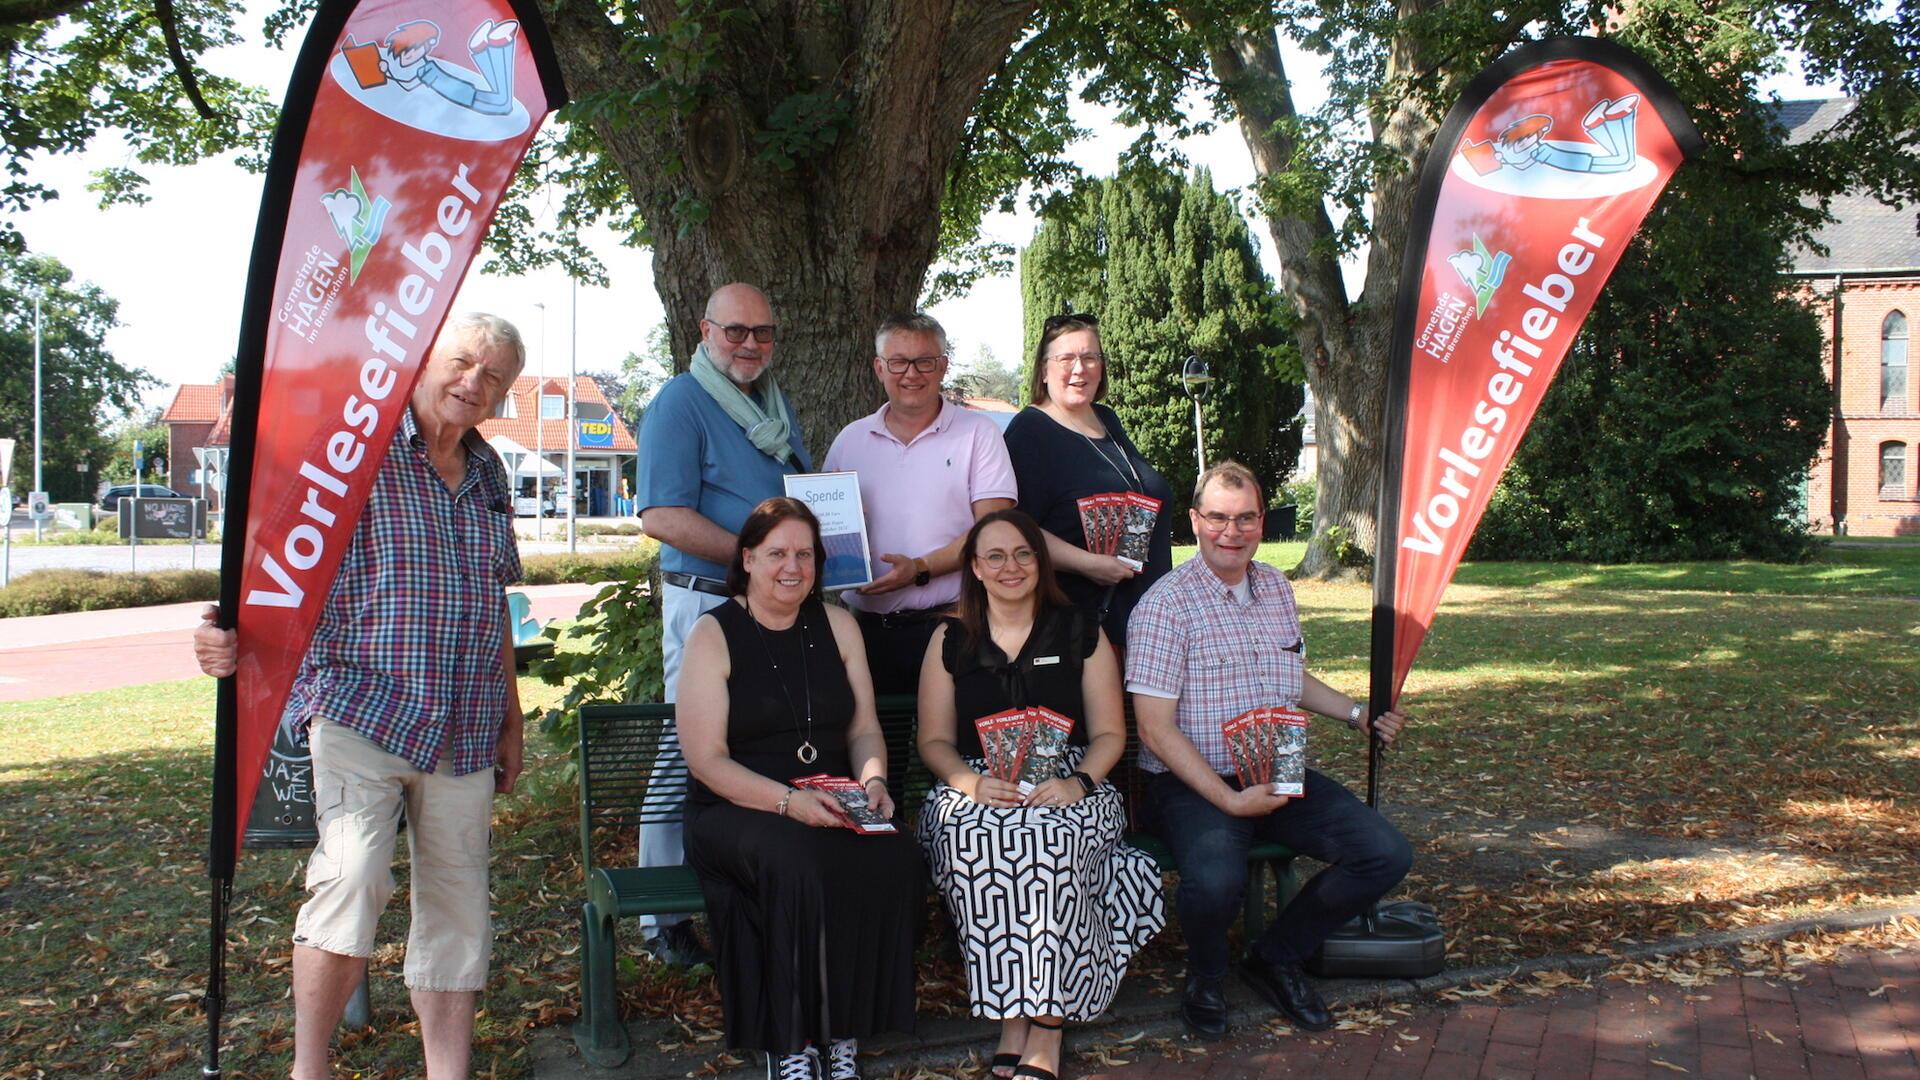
(919, 496)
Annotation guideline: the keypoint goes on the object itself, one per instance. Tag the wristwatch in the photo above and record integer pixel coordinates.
(1086, 782)
(922, 572)
(1353, 716)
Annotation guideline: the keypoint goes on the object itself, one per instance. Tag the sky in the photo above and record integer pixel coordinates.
(178, 264)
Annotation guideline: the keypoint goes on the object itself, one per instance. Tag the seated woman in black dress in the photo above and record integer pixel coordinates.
(1048, 902)
(813, 923)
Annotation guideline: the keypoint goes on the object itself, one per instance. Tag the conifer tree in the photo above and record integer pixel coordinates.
(1169, 266)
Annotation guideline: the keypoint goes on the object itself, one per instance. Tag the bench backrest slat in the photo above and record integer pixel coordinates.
(620, 786)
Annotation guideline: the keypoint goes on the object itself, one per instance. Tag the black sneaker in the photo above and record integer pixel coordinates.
(676, 944)
(1203, 1008)
(1285, 987)
(840, 1062)
(804, 1065)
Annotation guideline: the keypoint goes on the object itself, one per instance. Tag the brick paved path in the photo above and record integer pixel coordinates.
(1858, 1018)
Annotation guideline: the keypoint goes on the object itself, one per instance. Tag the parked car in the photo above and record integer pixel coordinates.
(525, 506)
(110, 500)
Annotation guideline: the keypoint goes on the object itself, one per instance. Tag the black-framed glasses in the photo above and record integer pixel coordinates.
(737, 333)
(1070, 318)
(1218, 522)
(898, 365)
(998, 559)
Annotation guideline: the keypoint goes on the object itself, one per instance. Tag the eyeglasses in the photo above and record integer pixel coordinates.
(898, 365)
(737, 333)
(1065, 361)
(1069, 318)
(995, 560)
(1218, 522)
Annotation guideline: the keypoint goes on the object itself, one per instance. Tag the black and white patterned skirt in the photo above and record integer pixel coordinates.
(1049, 903)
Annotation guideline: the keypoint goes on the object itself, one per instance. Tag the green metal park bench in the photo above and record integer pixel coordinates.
(618, 745)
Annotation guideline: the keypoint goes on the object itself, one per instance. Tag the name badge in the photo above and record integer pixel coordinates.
(1043, 661)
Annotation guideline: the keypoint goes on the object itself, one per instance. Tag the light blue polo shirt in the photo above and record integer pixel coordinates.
(692, 454)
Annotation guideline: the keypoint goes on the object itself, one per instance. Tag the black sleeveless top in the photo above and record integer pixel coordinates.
(1047, 672)
(763, 730)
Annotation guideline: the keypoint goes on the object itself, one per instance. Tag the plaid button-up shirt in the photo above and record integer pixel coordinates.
(1191, 638)
(408, 650)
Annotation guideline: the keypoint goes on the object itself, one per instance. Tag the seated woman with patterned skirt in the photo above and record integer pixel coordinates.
(1048, 903)
(813, 923)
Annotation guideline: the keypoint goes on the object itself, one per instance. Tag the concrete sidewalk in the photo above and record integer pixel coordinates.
(1858, 1018)
(44, 656)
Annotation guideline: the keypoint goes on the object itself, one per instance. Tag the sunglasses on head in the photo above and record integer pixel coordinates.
(1070, 318)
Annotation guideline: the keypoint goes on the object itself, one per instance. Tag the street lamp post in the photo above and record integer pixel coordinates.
(130, 508)
(540, 429)
(573, 420)
(1198, 380)
(37, 485)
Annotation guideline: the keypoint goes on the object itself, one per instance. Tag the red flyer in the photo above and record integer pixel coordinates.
(860, 814)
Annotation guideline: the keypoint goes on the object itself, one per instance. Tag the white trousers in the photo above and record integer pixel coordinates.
(660, 844)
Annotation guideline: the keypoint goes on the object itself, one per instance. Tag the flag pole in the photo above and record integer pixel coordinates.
(276, 201)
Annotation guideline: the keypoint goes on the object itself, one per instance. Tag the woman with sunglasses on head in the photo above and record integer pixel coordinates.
(1048, 903)
(1065, 446)
(813, 923)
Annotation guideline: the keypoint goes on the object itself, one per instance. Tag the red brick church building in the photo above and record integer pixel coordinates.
(1866, 288)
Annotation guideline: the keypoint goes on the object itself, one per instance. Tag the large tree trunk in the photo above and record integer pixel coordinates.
(1343, 342)
(840, 237)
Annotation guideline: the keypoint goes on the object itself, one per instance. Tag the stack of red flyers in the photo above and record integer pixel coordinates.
(1269, 746)
(1024, 746)
(860, 814)
(1120, 523)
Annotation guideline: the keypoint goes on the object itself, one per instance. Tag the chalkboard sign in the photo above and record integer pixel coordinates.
(163, 519)
(283, 806)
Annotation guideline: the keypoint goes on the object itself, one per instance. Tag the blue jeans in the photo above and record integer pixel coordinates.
(1365, 856)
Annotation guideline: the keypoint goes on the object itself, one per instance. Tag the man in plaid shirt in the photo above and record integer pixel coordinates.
(1216, 637)
(408, 697)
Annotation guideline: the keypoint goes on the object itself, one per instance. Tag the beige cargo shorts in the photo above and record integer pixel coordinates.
(359, 790)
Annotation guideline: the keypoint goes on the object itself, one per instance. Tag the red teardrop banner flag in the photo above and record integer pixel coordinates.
(403, 124)
(1536, 182)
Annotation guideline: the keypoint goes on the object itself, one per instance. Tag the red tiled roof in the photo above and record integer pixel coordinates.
(519, 428)
(553, 434)
(988, 404)
(194, 405)
(222, 433)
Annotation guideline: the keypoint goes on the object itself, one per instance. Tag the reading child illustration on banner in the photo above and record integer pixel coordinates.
(464, 103)
(1567, 168)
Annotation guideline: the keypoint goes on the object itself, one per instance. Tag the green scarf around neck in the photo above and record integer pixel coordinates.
(767, 428)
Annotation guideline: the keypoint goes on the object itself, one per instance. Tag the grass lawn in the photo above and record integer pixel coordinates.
(1600, 755)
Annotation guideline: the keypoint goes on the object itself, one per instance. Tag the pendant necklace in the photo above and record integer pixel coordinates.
(806, 752)
(1137, 485)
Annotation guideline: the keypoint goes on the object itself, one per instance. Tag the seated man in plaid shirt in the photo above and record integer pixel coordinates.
(408, 697)
(1216, 637)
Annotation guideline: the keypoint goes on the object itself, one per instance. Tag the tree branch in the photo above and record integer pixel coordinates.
(189, 80)
(27, 12)
(1254, 76)
(981, 33)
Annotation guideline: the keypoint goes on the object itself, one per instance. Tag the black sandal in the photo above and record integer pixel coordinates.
(1034, 1070)
(1003, 1061)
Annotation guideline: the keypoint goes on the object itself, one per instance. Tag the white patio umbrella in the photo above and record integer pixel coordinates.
(520, 461)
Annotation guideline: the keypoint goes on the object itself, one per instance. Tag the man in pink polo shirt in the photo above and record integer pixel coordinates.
(928, 468)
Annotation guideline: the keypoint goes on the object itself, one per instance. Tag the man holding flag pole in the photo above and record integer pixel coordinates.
(406, 705)
(368, 529)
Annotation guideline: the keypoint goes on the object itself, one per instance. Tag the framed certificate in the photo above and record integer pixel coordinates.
(834, 498)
